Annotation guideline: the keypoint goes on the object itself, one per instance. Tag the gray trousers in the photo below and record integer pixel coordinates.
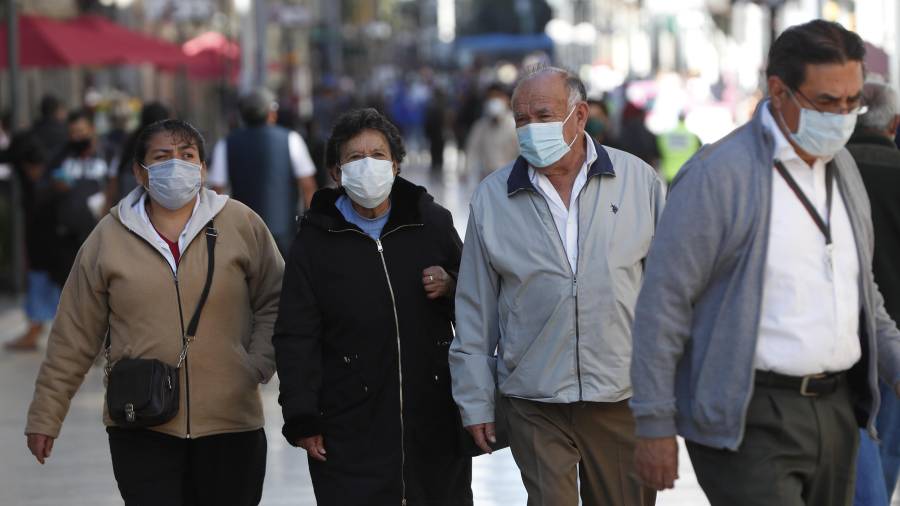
(797, 451)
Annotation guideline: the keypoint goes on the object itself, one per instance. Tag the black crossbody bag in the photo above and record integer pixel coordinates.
(144, 392)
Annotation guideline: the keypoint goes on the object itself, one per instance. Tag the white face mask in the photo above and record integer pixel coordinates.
(368, 181)
(495, 107)
(543, 144)
(822, 134)
(173, 183)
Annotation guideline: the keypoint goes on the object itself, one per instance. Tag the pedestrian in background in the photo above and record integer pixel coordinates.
(435, 125)
(552, 263)
(878, 160)
(760, 333)
(138, 277)
(599, 125)
(364, 327)
(78, 179)
(636, 138)
(121, 178)
(266, 167)
(676, 147)
(29, 162)
(492, 142)
(50, 127)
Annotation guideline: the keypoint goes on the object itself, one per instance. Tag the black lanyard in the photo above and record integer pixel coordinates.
(824, 226)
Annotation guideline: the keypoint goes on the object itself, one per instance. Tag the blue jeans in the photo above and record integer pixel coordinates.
(877, 466)
(41, 298)
(870, 489)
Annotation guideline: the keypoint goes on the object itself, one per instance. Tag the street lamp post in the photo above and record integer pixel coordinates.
(12, 45)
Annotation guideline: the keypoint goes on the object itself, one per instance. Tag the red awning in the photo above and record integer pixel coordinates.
(45, 42)
(133, 47)
(212, 56)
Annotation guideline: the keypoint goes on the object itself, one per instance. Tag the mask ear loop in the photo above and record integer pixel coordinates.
(570, 144)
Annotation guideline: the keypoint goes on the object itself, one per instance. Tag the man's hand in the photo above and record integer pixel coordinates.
(40, 445)
(314, 446)
(437, 282)
(656, 462)
(483, 433)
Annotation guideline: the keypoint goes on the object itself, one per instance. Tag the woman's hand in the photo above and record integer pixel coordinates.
(314, 446)
(40, 445)
(437, 282)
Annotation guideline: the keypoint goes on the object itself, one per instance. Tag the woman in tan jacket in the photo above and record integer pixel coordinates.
(140, 275)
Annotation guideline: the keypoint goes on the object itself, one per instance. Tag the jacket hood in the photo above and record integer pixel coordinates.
(407, 202)
(211, 203)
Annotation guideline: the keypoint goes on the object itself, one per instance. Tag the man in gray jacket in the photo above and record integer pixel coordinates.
(760, 332)
(551, 268)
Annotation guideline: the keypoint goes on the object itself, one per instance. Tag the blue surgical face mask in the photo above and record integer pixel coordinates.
(543, 144)
(822, 134)
(173, 183)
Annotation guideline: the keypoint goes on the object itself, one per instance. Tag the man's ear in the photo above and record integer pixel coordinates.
(583, 113)
(777, 90)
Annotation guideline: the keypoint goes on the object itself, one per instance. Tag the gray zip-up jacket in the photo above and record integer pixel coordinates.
(562, 338)
(697, 322)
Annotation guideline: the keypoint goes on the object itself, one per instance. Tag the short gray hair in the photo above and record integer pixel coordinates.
(882, 102)
(577, 90)
(256, 105)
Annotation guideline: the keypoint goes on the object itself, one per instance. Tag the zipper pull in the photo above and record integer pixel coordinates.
(378, 243)
(574, 287)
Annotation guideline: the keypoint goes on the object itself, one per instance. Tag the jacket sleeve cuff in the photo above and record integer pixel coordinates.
(42, 428)
(297, 429)
(655, 427)
(477, 416)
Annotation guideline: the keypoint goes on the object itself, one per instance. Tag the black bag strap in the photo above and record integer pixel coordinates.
(211, 235)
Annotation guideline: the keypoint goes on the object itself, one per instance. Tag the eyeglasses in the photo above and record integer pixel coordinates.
(860, 109)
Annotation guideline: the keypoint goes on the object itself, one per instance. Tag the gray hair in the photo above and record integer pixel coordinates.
(256, 105)
(882, 102)
(577, 90)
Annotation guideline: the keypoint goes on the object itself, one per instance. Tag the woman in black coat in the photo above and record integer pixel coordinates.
(363, 331)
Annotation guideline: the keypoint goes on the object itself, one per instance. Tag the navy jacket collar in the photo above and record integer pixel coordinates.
(518, 178)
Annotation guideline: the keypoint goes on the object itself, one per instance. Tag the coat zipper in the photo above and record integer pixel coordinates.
(387, 277)
(574, 290)
(187, 379)
(399, 375)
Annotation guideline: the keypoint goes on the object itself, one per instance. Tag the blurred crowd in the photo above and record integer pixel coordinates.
(77, 160)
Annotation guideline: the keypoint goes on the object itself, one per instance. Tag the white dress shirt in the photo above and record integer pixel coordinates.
(810, 316)
(301, 163)
(160, 244)
(566, 218)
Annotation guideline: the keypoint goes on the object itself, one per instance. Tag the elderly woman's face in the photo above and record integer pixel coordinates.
(366, 144)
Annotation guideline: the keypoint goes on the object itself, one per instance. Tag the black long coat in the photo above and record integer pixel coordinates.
(348, 303)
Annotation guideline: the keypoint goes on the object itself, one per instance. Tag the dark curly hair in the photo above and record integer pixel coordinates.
(350, 124)
(817, 42)
(179, 129)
